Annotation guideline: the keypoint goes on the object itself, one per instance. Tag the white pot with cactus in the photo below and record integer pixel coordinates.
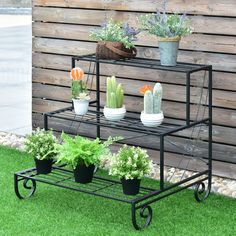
(80, 96)
(152, 115)
(114, 109)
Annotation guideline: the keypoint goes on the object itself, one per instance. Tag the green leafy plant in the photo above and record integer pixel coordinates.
(116, 32)
(41, 144)
(80, 150)
(130, 163)
(165, 25)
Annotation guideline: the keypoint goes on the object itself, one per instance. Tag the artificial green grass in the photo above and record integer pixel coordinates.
(60, 212)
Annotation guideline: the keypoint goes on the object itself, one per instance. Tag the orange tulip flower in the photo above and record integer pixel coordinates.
(77, 74)
(145, 88)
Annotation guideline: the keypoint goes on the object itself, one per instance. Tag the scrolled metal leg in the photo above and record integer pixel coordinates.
(145, 213)
(201, 193)
(26, 185)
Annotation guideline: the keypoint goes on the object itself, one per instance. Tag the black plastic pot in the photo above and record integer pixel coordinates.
(130, 186)
(84, 174)
(43, 166)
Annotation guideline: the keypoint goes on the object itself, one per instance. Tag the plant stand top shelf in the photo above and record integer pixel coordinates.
(145, 63)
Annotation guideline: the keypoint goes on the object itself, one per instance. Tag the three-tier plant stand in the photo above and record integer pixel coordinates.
(109, 188)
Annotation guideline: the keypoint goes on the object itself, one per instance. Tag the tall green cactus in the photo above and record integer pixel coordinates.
(152, 100)
(148, 102)
(157, 98)
(115, 93)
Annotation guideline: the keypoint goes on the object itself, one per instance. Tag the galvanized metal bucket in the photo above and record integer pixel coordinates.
(169, 51)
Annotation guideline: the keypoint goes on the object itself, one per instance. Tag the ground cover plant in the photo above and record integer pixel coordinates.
(56, 211)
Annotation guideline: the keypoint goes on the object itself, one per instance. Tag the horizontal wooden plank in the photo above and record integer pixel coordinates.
(198, 42)
(219, 168)
(203, 7)
(224, 99)
(222, 62)
(220, 134)
(201, 24)
(221, 80)
(220, 151)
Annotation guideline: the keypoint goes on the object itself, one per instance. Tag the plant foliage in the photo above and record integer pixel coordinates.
(116, 32)
(165, 25)
(130, 163)
(41, 144)
(80, 150)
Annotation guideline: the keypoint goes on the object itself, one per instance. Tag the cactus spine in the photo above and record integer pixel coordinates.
(152, 100)
(115, 93)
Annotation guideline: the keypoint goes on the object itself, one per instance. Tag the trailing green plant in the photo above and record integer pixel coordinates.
(130, 163)
(80, 150)
(152, 99)
(165, 25)
(116, 32)
(115, 93)
(41, 144)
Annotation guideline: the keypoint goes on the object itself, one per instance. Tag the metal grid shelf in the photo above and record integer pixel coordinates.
(131, 122)
(100, 186)
(146, 63)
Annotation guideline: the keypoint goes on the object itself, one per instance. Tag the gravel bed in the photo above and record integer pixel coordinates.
(220, 185)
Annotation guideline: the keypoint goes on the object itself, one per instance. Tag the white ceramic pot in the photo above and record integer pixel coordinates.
(114, 114)
(80, 106)
(151, 120)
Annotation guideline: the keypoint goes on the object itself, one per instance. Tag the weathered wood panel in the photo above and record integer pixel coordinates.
(61, 29)
(225, 81)
(200, 42)
(202, 24)
(202, 7)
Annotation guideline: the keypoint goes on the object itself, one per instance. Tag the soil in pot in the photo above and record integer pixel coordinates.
(84, 174)
(130, 186)
(43, 166)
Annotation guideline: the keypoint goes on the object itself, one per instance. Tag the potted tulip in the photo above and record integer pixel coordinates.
(130, 164)
(169, 28)
(115, 40)
(41, 145)
(114, 109)
(80, 96)
(152, 115)
(82, 155)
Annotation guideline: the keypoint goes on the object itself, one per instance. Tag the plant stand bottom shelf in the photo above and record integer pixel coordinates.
(111, 189)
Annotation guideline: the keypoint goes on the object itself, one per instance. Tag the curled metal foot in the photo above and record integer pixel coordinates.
(145, 214)
(201, 193)
(28, 184)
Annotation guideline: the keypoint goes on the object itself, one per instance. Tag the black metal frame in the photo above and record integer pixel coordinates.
(131, 123)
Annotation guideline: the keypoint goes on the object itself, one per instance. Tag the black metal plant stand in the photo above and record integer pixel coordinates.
(111, 189)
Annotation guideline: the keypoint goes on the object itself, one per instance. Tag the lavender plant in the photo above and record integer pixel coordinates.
(165, 25)
(116, 32)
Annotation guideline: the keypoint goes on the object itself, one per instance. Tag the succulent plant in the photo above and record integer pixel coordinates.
(115, 93)
(152, 100)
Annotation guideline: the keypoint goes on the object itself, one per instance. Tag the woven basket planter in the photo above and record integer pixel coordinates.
(114, 51)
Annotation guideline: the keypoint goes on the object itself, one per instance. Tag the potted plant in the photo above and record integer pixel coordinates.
(80, 96)
(152, 115)
(130, 164)
(115, 40)
(169, 28)
(41, 146)
(114, 109)
(82, 154)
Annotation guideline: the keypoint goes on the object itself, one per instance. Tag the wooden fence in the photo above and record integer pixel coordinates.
(61, 29)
